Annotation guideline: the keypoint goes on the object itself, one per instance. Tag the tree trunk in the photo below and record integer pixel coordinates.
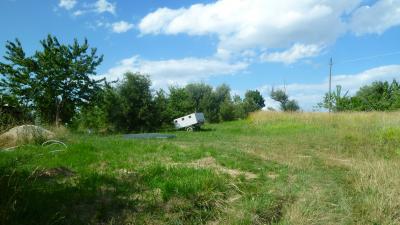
(57, 114)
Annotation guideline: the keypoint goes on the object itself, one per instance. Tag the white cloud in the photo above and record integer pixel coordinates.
(67, 4)
(308, 95)
(377, 18)
(174, 71)
(353, 82)
(78, 13)
(117, 27)
(102, 6)
(243, 25)
(296, 52)
(298, 27)
(121, 27)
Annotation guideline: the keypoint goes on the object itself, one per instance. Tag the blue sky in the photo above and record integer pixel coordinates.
(247, 44)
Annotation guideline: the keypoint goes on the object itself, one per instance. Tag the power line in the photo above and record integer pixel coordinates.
(369, 57)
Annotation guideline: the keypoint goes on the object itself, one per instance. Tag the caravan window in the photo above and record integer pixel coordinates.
(183, 119)
(190, 117)
(176, 121)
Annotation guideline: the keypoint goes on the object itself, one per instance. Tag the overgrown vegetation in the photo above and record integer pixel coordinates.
(379, 96)
(131, 105)
(282, 97)
(274, 168)
(56, 86)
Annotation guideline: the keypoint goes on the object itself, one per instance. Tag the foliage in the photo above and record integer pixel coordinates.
(130, 105)
(55, 85)
(179, 102)
(239, 108)
(124, 106)
(255, 98)
(379, 96)
(336, 101)
(216, 104)
(227, 111)
(212, 103)
(137, 103)
(292, 106)
(11, 112)
(91, 119)
(280, 96)
(197, 93)
(54, 81)
(162, 116)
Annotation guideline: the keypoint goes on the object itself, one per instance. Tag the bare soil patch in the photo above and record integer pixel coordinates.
(57, 171)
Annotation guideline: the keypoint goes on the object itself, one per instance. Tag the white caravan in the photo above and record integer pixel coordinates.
(189, 122)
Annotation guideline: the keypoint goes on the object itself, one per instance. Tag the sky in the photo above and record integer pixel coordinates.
(247, 44)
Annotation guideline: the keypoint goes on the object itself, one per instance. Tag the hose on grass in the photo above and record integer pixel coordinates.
(44, 144)
(55, 142)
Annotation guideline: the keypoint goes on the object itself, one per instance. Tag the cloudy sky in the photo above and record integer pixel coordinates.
(247, 44)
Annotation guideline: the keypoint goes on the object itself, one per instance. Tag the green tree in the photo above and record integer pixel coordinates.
(227, 111)
(93, 116)
(239, 107)
(213, 101)
(375, 97)
(255, 97)
(197, 93)
(253, 101)
(280, 96)
(336, 101)
(162, 116)
(92, 119)
(112, 104)
(16, 78)
(11, 112)
(292, 106)
(55, 81)
(179, 102)
(378, 96)
(137, 103)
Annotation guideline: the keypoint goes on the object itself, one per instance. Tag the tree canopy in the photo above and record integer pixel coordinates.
(55, 81)
(378, 96)
(280, 96)
(256, 98)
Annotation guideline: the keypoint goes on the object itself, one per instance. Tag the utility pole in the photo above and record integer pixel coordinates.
(330, 85)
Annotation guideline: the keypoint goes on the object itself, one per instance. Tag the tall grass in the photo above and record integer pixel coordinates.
(362, 152)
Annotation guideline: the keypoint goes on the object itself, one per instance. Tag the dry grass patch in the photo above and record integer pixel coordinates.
(211, 163)
(377, 185)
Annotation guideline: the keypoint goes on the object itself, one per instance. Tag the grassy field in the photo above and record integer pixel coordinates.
(273, 168)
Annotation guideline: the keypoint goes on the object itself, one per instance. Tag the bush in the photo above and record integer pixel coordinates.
(91, 119)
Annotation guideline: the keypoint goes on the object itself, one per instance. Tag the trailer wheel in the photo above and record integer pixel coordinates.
(189, 129)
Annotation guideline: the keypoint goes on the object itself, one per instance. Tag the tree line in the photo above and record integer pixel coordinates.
(55, 86)
(131, 105)
(378, 96)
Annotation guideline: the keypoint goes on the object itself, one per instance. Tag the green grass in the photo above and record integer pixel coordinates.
(273, 168)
